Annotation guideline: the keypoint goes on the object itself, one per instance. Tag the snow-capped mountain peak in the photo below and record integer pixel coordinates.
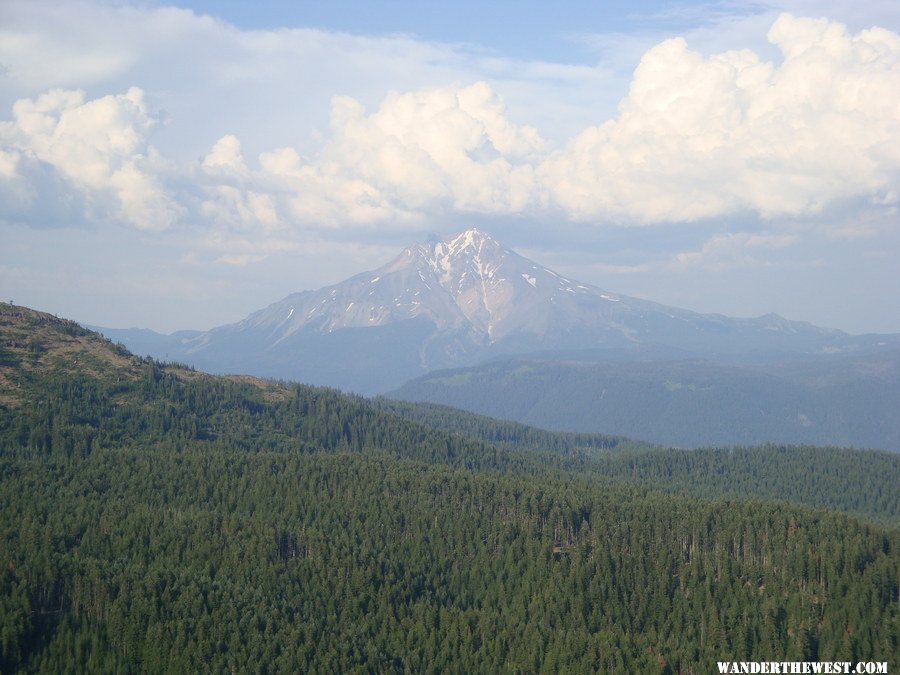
(450, 258)
(467, 267)
(467, 282)
(452, 300)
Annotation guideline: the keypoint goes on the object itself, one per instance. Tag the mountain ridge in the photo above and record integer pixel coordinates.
(458, 300)
(847, 400)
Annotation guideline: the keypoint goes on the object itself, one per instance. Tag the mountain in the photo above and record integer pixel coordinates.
(848, 400)
(459, 300)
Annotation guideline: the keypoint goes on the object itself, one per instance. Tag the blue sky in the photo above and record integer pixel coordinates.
(520, 29)
(180, 166)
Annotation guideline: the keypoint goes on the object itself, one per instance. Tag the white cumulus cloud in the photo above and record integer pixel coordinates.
(441, 150)
(98, 146)
(704, 137)
(447, 147)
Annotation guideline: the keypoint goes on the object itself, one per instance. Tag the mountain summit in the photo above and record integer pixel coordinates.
(467, 283)
(454, 301)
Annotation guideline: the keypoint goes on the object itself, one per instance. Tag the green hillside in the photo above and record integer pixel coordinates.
(861, 482)
(154, 519)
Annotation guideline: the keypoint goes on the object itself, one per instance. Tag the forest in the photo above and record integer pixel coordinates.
(846, 400)
(159, 519)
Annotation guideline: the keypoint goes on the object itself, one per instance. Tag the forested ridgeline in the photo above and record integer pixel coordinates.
(65, 392)
(848, 401)
(215, 560)
(71, 416)
(861, 482)
(504, 432)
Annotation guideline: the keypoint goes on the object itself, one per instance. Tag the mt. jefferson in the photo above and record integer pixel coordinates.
(456, 301)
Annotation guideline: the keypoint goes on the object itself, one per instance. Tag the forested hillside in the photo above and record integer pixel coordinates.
(862, 482)
(153, 518)
(841, 400)
(195, 561)
(504, 432)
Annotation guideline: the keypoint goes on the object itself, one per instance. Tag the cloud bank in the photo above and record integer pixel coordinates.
(696, 137)
(708, 137)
